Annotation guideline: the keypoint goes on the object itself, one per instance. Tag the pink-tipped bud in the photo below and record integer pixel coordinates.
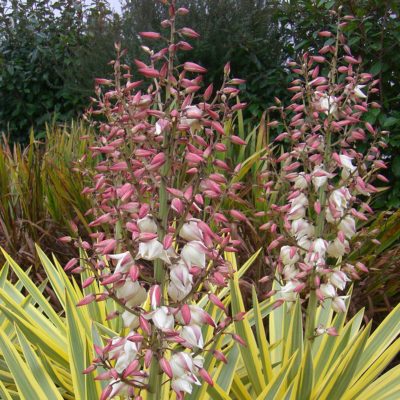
(147, 358)
(101, 81)
(177, 205)
(332, 331)
(186, 314)
(216, 301)
(87, 282)
(86, 300)
(318, 59)
(149, 72)
(150, 35)
(134, 272)
(193, 158)
(70, 264)
(370, 128)
(188, 32)
(131, 368)
(105, 394)
(238, 215)
(325, 34)
(239, 339)
(238, 140)
(227, 68)
(144, 325)
(351, 60)
(361, 267)
(167, 241)
(65, 239)
(206, 376)
(135, 338)
(166, 367)
(218, 127)
(220, 356)
(182, 11)
(89, 369)
(111, 279)
(208, 92)
(193, 67)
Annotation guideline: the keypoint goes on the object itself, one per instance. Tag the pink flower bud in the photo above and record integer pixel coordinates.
(325, 34)
(149, 72)
(144, 325)
(111, 279)
(166, 367)
(89, 369)
(220, 147)
(351, 60)
(186, 314)
(87, 282)
(227, 68)
(189, 33)
(182, 11)
(193, 158)
(131, 368)
(86, 300)
(105, 394)
(70, 264)
(238, 215)
(101, 81)
(332, 331)
(370, 128)
(193, 67)
(65, 239)
(216, 301)
(206, 376)
(208, 92)
(237, 140)
(147, 358)
(218, 127)
(317, 207)
(150, 35)
(238, 339)
(319, 59)
(177, 205)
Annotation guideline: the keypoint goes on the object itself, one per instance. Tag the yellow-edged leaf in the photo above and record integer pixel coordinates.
(28, 387)
(36, 367)
(277, 387)
(341, 373)
(5, 394)
(35, 293)
(250, 354)
(387, 387)
(262, 340)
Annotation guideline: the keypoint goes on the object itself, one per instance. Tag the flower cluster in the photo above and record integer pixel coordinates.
(159, 224)
(321, 165)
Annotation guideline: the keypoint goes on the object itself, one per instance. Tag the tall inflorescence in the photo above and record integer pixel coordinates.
(159, 224)
(321, 166)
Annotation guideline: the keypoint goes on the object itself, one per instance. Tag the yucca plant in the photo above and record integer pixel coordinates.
(43, 354)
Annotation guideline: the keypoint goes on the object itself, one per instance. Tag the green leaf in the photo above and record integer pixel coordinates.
(37, 368)
(25, 381)
(77, 353)
(36, 294)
